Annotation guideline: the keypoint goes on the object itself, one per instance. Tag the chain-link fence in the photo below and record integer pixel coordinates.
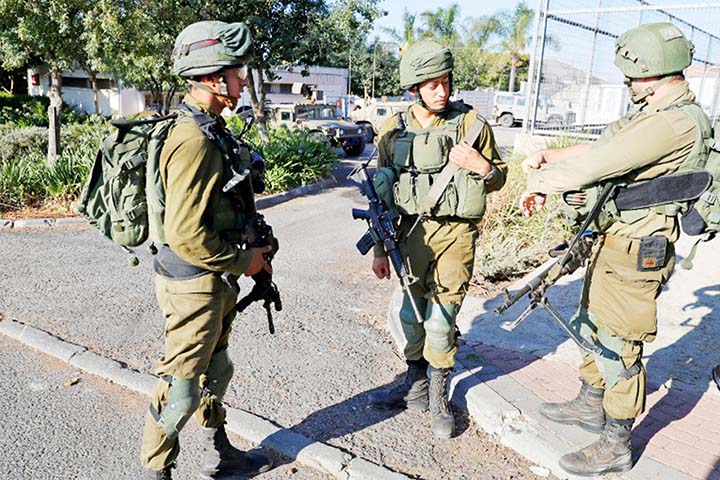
(573, 84)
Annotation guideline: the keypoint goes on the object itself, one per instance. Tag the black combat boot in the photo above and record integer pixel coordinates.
(585, 410)
(222, 460)
(716, 375)
(443, 422)
(610, 453)
(411, 393)
(164, 474)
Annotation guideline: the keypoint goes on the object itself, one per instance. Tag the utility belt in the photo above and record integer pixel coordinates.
(168, 264)
(651, 252)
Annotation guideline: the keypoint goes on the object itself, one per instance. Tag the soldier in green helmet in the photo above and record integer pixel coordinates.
(200, 257)
(434, 142)
(634, 255)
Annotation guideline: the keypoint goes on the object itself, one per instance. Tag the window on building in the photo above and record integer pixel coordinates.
(382, 112)
(106, 83)
(284, 88)
(75, 82)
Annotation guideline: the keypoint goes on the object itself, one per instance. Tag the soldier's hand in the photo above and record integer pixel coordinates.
(534, 161)
(531, 202)
(381, 267)
(258, 261)
(464, 156)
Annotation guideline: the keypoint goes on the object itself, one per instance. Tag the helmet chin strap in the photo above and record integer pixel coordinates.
(640, 97)
(230, 102)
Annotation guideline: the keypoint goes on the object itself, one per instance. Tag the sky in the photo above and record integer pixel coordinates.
(468, 8)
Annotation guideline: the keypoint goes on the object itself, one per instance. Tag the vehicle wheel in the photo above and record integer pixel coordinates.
(354, 150)
(506, 120)
(368, 132)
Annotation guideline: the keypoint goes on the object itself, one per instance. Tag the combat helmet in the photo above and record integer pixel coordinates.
(207, 47)
(423, 61)
(653, 50)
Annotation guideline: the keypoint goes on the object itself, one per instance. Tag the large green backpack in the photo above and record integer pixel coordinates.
(124, 196)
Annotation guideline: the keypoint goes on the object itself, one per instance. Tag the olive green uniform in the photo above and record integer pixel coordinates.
(440, 253)
(198, 311)
(617, 298)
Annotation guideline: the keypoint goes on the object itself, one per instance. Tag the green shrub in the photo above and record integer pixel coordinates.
(293, 157)
(31, 111)
(22, 142)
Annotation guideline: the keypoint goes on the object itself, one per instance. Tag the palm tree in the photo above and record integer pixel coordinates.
(513, 27)
(409, 34)
(441, 24)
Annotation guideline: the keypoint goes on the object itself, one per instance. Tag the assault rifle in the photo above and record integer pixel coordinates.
(568, 261)
(260, 235)
(381, 230)
(570, 258)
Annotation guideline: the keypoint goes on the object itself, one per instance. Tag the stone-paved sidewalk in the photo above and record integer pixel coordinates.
(678, 431)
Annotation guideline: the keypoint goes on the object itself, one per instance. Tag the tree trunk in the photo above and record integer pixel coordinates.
(257, 100)
(96, 92)
(513, 72)
(54, 114)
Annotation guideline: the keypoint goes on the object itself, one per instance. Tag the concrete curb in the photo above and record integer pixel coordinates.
(316, 455)
(261, 203)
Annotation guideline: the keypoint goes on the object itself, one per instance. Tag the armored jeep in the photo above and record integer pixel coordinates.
(321, 120)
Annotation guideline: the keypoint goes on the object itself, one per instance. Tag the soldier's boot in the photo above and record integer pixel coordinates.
(443, 422)
(164, 474)
(585, 410)
(610, 453)
(411, 393)
(221, 460)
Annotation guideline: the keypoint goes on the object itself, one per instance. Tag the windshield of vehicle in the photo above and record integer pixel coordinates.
(315, 113)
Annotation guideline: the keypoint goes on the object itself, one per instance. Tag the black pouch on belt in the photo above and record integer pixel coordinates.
(651, 256)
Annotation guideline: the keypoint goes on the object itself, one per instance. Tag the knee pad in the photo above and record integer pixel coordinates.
(412, 329)
(219, 374)
(440, 326)
(609, 362)
(183, 398)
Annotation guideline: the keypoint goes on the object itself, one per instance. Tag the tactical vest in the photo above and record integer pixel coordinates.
(419, 155)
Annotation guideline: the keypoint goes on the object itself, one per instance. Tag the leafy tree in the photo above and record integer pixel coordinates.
(133, 39)
(513, 28)
(46, 30)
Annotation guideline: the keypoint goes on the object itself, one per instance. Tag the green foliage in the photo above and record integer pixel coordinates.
(293, 158)
(25, 178)
(510, 244)
(32, 111)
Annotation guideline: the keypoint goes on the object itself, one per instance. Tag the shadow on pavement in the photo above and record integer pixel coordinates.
(693, 366)
(343, 418)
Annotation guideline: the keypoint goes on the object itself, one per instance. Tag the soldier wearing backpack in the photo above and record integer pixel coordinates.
(201, 226)
(634, 256)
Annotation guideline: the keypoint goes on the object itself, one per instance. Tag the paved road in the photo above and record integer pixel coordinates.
(330, 350)
(54, 428)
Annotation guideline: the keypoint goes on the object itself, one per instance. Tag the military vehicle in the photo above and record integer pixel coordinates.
(320, 120)
(374, 115)
(509, 109)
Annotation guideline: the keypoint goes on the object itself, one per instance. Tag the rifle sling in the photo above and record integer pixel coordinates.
(678, 187)
(448, 172)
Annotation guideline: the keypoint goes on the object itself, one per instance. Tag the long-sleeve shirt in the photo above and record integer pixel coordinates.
(645, 144)
(196, 210)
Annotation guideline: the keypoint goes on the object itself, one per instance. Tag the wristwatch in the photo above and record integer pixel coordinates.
(490, 175)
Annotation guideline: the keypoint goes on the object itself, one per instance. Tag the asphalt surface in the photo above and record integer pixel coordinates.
(314, 375)
(60, 423)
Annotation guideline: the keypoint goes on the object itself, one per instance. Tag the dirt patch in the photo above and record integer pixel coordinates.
(52, 209)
